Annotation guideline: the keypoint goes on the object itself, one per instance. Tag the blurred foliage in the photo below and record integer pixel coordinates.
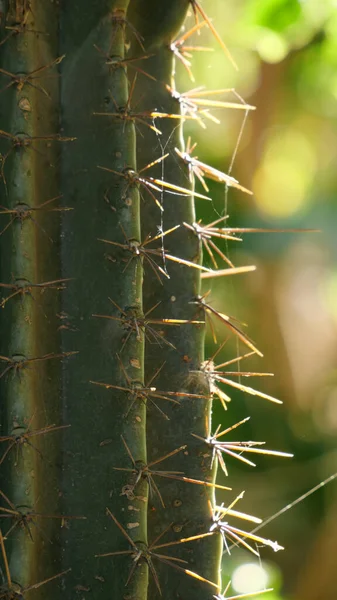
(286, 51)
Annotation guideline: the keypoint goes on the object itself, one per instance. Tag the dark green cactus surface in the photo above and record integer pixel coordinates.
(102, 339)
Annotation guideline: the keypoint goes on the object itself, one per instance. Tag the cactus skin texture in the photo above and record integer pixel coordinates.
(78, 516)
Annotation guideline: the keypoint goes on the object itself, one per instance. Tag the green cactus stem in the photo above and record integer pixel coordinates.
(186, 505)
(108, 457)
(105, 208)
(30, 144)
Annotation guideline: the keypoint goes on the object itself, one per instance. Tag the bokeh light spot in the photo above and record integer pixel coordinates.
(271, 46)
(249, 577)
(283, 180)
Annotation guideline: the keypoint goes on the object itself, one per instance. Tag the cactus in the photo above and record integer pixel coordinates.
(108, 461)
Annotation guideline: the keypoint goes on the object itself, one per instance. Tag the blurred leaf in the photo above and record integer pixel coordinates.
(276, 15)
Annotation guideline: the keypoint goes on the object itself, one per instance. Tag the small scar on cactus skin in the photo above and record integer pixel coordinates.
(20, 80)
(151, 183)
(24, 517)
(142, 552)
(18, 362)
(21, 435)
(116, 62)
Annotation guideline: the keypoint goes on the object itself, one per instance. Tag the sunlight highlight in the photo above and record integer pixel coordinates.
(284, 178)
(271, 46)
(249, 577)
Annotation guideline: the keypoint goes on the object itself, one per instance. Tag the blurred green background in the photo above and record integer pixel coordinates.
(286, 51)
